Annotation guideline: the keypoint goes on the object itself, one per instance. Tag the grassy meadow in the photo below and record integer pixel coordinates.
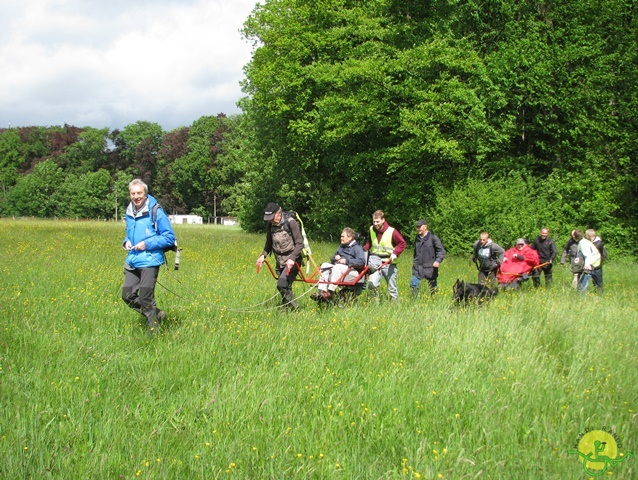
(234, 387)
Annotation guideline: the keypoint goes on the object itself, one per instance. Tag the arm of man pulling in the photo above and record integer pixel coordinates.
(295, 231)
(398, 242)
(268, 245)
(552, 252)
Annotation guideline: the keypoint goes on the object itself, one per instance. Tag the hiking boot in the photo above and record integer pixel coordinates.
(321, 296)
(291, 306)
(288, 299)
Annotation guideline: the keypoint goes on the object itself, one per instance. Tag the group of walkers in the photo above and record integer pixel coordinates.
(384, 244)
(149, 233)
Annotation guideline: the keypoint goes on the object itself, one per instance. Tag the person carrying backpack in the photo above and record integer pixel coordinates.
(596, 271)
(488, 257)
(575, 257)
(145, 241)
(285, 241)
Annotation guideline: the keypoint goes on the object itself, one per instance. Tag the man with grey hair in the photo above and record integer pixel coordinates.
(145, 241)
(428, 255)
(285, 240)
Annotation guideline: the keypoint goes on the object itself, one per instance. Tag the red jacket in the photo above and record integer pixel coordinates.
(513, 268)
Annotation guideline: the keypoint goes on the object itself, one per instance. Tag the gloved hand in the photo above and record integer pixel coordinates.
(518, 256)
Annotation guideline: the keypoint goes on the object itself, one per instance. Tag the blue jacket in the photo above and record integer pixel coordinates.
(139, 227)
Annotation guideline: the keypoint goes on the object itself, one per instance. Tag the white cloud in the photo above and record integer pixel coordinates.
(109, 64)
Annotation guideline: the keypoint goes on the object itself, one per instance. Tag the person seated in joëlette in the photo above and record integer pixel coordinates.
(343, 267)
(518, 263)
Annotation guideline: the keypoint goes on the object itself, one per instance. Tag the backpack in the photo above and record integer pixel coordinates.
(170, 247)
(603, 251)
(576, 259)
(305, 251)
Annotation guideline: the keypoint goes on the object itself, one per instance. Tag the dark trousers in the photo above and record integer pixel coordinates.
(138, 291)
(536, 275)
(490, 275)
(284, 285)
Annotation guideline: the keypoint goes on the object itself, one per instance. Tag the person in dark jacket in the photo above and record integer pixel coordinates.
(145, 241)
(344, 266)
(576, 262)
(488, 257)
(546, 248)
(428, 255)
(284, 240)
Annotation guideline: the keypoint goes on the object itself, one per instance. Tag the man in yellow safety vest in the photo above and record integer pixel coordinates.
(384, 245)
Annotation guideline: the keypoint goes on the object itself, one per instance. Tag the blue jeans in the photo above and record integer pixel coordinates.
(595, 274)
(416, 281)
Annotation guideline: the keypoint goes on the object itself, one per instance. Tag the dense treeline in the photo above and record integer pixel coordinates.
(500, 115)
(84, 172)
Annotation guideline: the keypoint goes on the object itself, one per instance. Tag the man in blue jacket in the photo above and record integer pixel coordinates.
(146, 239)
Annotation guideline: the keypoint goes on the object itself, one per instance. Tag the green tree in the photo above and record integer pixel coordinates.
(87, 154)
(89, 195)
(137, 146)
(194, 176)
(174, 146)
(34, 194)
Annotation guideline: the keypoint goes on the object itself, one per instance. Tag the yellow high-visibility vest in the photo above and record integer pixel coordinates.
(382, 248)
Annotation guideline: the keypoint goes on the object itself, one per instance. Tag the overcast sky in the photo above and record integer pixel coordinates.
(110, 63)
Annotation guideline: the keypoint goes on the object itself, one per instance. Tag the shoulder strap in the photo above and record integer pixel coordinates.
(154, 215)
(287, 217)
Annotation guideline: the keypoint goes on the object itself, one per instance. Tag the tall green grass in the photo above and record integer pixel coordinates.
(234, 387)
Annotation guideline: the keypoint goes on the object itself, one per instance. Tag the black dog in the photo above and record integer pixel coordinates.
(465, 292)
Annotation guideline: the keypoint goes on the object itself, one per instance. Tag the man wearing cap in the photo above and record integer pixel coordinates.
(384, 245)
(428, 255)
(546, 249)
(517, 264)
(284, 240)
(487, 256)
